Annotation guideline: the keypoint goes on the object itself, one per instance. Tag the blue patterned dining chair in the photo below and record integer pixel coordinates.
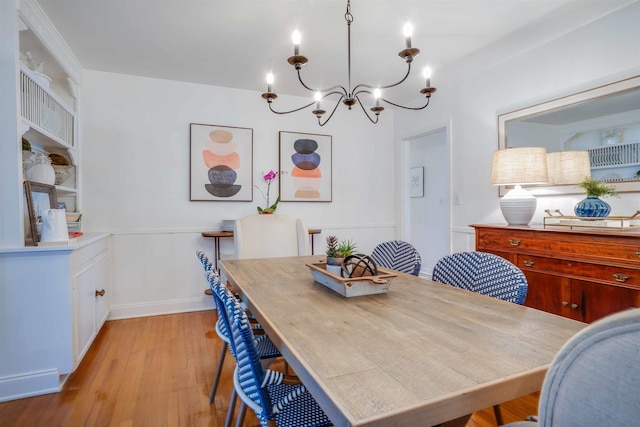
(275, 399)
(483, 273)
(398, 255)
(594, 380)
(266, 349)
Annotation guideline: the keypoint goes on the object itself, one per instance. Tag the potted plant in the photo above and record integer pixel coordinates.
(268, 177)
(593, 206)
(337, 250)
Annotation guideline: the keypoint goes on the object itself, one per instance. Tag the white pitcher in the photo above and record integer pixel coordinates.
(54, 226)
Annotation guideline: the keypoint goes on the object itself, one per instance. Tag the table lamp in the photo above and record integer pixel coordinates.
(568, 167)
(519, 166)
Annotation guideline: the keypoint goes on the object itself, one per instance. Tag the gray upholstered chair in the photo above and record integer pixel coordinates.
(595, 378)
(398, 255)
(263, 236)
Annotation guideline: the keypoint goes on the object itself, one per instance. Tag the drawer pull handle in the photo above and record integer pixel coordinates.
(528, 263)
(565, 303)
(100, 293)
(620, 277)
(574, 306)
(638, 253)
(514, 242)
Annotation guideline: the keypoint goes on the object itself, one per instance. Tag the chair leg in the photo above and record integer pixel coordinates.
(241, 414)
(216, 380)
(498, 413)
(232, 408)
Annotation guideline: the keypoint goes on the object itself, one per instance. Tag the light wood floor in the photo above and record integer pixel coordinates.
(157, 371)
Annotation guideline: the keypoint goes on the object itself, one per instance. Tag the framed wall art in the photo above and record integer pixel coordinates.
(221, 166)
(417, 181)
(39, 197)
(305, 167)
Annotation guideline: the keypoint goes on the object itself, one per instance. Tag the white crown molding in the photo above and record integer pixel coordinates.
(32, 14)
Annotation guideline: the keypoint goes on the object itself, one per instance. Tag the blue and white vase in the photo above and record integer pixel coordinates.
(592, 207)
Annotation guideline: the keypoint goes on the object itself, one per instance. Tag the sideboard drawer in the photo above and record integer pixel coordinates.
(625, 250)
(578, 269)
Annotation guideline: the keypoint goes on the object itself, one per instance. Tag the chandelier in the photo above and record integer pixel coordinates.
(350, 96)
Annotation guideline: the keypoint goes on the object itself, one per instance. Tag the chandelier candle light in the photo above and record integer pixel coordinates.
(350, 96)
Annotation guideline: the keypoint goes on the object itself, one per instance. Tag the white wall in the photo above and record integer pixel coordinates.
(604, 50)
(135, 176)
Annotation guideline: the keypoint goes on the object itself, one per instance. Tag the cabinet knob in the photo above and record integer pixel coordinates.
(620, 277)
(638, 253)
(100, 293)
(565, 303)
(528, 262)
(514, 242)
(574, 306)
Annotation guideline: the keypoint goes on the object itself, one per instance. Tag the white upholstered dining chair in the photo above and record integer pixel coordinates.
(268, 236)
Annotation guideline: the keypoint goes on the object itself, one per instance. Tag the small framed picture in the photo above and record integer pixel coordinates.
(40, 197)
(417, 181)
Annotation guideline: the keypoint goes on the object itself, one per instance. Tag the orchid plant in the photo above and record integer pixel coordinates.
(269, 177)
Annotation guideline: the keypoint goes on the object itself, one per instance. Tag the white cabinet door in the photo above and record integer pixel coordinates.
(85, 309)
(102, 291)
(91, 294)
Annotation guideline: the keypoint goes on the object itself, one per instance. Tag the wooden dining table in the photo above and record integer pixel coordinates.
(418, 355)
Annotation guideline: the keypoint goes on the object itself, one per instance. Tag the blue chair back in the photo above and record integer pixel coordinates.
(483, 273)
(250, 373)
(398, 255)
(204, 259)
(595, 379)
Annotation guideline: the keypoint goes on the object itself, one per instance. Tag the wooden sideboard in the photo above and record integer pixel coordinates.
(580, 274)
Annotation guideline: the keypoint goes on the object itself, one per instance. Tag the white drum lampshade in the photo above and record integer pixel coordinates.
(519, 166)
(568, 167)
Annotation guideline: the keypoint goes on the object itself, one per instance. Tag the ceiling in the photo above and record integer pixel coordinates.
(234, 43)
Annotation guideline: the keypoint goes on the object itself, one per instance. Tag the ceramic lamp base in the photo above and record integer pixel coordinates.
(518, 206)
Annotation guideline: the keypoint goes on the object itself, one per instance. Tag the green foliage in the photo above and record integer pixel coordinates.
(339, 248)
(596, 188)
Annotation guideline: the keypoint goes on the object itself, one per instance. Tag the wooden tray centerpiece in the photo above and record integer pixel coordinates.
(353, 286)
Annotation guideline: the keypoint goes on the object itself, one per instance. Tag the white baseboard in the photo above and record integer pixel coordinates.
(127, 311)
(28, 385)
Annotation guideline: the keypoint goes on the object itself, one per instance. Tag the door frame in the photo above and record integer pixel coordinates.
(405, 226)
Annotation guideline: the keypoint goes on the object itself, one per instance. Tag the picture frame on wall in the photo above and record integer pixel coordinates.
(417, 181)
(305, 167)
(39, 197)
(221, 163)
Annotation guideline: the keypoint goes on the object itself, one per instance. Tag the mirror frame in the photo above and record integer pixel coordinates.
(628, 84)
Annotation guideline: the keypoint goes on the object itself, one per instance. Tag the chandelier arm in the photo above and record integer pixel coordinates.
(365, 112)
(407, 108)
(334, 110)
(356, 91)
(344, 91)
(292, 111)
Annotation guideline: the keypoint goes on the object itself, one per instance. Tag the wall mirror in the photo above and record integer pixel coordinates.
(604, 120)
(39, 197)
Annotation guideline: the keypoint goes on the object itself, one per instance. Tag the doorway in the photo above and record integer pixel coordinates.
(428, 199)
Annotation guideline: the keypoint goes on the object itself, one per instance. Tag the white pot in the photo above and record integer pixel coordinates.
(42, 172)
